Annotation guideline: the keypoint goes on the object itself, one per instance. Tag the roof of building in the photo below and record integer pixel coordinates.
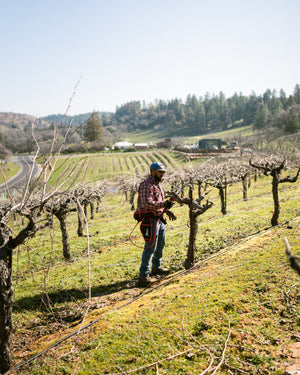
(123, 144)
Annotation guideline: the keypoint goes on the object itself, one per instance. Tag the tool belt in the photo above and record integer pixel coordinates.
(146, 226)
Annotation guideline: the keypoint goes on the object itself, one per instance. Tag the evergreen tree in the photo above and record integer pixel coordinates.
(93, 129)
(290, 102)
(212, 115)
(297, 94)
(189, 117)
(200, 118)
(233, 107)
(191, 108)
(292, 123)
(267, 96)
(236, 107)
(275, 105)
(251, 108)
(283, 98)
(162, 105)
(261, 117)
(105, 119)
(176, 106)
(223, 111)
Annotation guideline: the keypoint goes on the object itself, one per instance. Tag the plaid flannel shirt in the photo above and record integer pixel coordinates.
(151, 196)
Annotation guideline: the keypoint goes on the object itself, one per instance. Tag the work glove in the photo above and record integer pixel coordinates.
(168, 204)
(171, 215)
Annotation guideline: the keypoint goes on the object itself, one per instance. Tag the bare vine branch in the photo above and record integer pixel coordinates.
(224, 351)
(294, 261)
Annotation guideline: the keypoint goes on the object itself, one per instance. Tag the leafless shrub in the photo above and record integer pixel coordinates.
(30, 205)
(192, 177)
(273, 166)
(220, 176)
(129, 187)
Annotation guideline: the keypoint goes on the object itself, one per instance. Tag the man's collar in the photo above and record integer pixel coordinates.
(153, 180)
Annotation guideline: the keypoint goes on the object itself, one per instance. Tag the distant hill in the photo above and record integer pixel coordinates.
(10, 120)
(76, 119)
(20, 121)
(59, 118)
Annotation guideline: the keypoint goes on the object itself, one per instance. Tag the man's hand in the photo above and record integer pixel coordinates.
(168, 204)
(171, 215)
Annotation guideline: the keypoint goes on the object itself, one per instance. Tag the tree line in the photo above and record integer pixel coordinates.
(210, 113)
(194, 116)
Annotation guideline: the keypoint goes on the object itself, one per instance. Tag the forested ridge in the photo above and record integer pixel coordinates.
(200, 115)
(194, 116)
(207, 114)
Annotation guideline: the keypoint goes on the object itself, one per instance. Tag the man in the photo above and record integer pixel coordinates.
(152, 205)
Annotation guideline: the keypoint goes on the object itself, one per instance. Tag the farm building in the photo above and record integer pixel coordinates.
(141, 146)
(210, 144)
(165, 144)
(123, 145)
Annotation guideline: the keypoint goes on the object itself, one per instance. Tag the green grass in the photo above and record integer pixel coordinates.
(9, 169)
(94, 167)
(250, 288)
(268, 141)
(154, 136)
(234, 133)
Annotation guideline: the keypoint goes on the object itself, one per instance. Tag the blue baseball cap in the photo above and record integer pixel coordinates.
(158, 166)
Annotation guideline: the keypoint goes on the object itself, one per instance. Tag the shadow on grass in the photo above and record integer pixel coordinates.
(40, 302)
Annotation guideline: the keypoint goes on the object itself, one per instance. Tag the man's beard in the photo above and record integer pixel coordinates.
(158, 178)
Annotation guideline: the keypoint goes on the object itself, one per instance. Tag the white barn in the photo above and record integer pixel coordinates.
(123, 145)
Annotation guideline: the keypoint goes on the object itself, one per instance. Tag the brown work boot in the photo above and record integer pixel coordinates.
(160, 271)
(145, 280)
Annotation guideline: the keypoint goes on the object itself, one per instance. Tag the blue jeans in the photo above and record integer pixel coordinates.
(154, 247)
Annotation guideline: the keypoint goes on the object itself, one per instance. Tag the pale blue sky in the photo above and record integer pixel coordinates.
(123, 50)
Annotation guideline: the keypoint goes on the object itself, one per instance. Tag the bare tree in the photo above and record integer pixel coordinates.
(87, 196)
(60, 209)
(129, 185)
(195, 210)
(192, 176)
(32, 210)
(220, 176)
(5, 311)
(242, 171)
(36, 194)
(273, 166)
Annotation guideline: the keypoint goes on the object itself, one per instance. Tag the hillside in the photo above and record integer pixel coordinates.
(237, 311)
(76, 119)
(19, 121)
(184, 123)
